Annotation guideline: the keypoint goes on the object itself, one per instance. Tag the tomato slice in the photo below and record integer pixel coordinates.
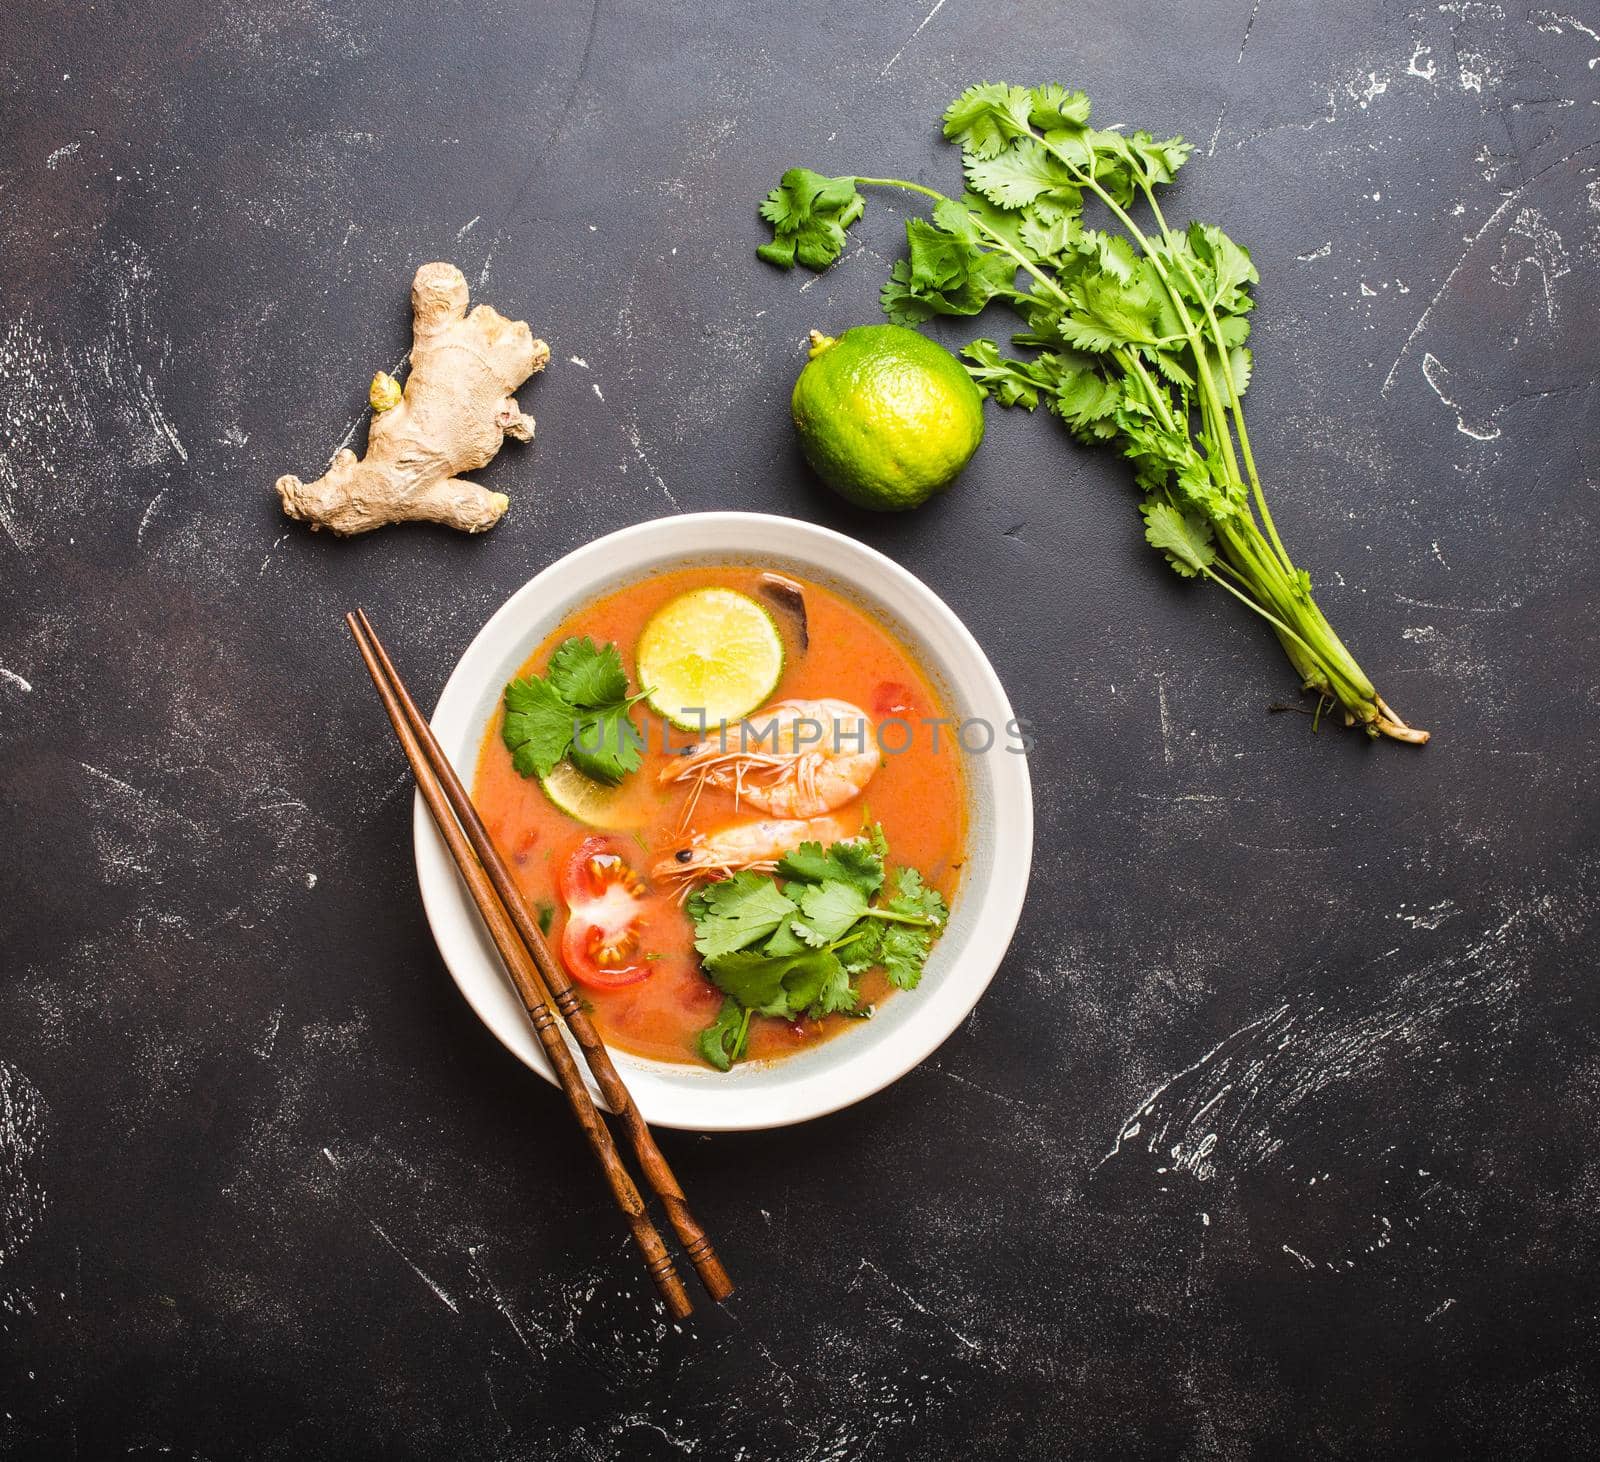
(607, 902)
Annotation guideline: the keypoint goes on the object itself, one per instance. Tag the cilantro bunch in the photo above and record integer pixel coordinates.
(791, 944)
(579, 709)
(1134, 336)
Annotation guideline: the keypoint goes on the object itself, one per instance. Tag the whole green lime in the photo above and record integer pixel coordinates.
(886, 416)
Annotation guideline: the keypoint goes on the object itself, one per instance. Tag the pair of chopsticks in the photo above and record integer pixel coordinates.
(546, 991)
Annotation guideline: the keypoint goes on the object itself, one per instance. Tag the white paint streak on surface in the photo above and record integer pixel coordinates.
(919, 1307)
(1166, 719)
(1437, 376)
(145, 517)
(1247, 1099)
(1531, 242)
(72, 401)
(1244, 41)
(488, 261)
(61, 154)
(1551, 21)
(267, 557)
(1374, 86)
(127, 788)
(638, 451)
(1134, 1127)
(888, 65)
(1449, 279)
(1432, 917)
(12, 678)
(264, 1050)
(500, 1304)
(1509, 605)
(22, 1128)
(400, 1253)
(444, 1298)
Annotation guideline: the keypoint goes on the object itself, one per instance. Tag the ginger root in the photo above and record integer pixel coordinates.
(456, 409)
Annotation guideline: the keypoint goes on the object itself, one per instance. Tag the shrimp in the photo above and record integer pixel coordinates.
(754, 845)
(796, 759)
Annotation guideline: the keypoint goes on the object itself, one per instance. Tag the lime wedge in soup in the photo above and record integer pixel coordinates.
(707, 656)
(592, 803)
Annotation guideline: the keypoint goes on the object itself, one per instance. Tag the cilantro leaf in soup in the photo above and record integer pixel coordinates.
(827, 910)
(723, 1041)
(785, 941)
(537, 728)
(837, 996)
(579, 709)
(587, 675)
(737, 912)
(913, 898)
(856, 863)
(905, 945)
(792, 948)
(904, 952)
(606, 745)
(863, 949)
(785, 987)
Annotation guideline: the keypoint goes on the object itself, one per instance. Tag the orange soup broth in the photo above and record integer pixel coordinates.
(918, 796)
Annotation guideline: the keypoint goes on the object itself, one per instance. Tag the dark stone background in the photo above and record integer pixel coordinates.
(267, 1189)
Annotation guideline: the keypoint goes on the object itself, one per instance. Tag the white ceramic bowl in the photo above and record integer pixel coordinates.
(908, 1027)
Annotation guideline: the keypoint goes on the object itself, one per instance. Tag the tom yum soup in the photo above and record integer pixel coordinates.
(737, 806)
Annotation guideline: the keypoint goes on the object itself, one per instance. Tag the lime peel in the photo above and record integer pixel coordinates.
(886, 417)
(590, 802)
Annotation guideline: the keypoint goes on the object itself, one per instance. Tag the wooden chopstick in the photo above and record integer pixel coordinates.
(530, 987)
(558, 984)
(558, 989)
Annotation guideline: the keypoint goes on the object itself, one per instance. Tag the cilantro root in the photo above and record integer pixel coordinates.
(1135, 336)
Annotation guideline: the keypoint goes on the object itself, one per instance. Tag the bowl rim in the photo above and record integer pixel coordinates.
(607, 562)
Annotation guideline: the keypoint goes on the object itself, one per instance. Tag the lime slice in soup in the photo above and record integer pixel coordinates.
(590, 802)
(707, 656)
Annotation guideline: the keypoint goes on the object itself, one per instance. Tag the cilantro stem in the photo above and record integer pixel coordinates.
(889, 918)
(1266, 614)
(1333, 659)
(1265, 569)
(1207, 386)
(901, 183)
(1158, 399)
(1234, 402)
(848, 939)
